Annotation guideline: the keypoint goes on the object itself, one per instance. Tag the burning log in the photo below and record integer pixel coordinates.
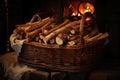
(54, 33)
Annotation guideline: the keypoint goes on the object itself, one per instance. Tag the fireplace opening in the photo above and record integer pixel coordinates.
(60, 9)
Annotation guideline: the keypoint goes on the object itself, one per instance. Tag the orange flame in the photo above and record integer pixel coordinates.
(86, 7)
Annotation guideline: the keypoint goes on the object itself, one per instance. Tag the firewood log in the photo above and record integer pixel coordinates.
(41, 36)
(104, 35)
(73, 42)
(86, 37)
(60, 41)
(53, 25)
(61, 38)
(75, 29)
(27, 27)
(73, 37)
(40, 24)
(23, 29)
(52, 41)
(32, 34)
(29, 24)
(54, 33)
(57, 27)
(45, 31)
(93, 38)
(47, 25)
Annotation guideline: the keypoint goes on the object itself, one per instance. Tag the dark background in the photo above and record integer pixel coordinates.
(21, 11)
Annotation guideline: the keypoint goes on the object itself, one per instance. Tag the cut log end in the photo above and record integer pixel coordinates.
(59, 41)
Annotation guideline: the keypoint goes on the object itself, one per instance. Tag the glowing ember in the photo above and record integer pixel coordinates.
(88, 9)
(79, 14)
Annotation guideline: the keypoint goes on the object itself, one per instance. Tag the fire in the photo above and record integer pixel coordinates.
(74, 7)
(86, 7)
(78, 8)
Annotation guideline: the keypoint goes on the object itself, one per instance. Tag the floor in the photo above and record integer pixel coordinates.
(109, 69)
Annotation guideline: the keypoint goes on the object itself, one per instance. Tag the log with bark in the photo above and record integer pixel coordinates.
(47, 27)
(67, 33)
(62, 37)
(74, 42)
(31, 35)
(39, 25)
(87, 40)
(54, 33)
(73, 37)
(104, 35)
(99, 36)
(75, 29)
(57, 27)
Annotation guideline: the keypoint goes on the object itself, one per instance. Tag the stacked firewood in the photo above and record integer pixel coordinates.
(66, 33)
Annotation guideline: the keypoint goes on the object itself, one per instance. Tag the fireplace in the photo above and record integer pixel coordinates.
(106, 15)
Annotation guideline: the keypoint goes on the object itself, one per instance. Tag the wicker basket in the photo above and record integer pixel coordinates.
(62, 58)
(75, 58)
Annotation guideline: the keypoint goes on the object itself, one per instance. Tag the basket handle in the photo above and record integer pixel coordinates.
(82, 24)
(35, 16)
